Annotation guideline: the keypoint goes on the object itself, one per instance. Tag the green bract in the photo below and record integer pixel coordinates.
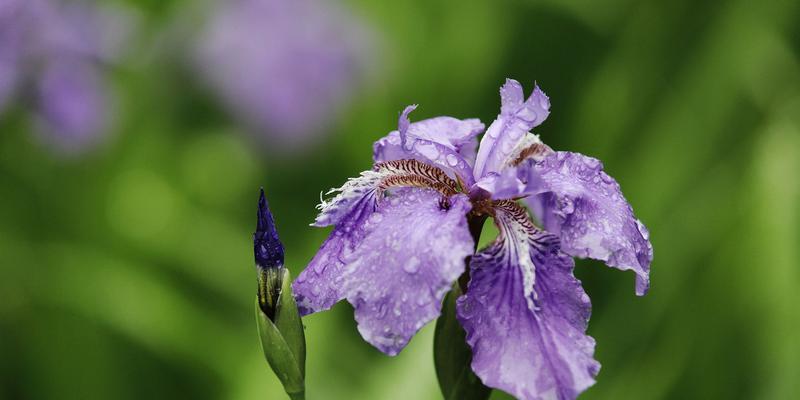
(283, 341)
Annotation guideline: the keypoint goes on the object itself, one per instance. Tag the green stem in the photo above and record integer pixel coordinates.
(297, 396)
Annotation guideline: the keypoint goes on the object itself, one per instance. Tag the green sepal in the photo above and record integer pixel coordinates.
(283, 341)
(452, 356)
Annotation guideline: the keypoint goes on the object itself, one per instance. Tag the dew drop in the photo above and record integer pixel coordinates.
(452, 160)
(412, 265)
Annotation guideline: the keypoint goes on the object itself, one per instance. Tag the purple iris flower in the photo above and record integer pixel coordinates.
(402, 234)
(284, 67)
(53, 52)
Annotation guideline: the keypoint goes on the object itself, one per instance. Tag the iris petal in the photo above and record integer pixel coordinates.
(371, 184)
(586, 208)
(517, 117)
(446, 142)
(394, 265)
(525, 316)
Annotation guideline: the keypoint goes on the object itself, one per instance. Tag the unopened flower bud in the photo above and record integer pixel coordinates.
(268, 251)
(279, 325)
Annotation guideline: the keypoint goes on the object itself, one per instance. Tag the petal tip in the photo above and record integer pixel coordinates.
(404, 122)
(642, 285)
(511, 96)
(540, 97)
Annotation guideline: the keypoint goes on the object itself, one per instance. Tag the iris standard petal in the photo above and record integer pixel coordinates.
(517, 117)
(394, 265)
(447, 142)
(586, 208)
(525, 316)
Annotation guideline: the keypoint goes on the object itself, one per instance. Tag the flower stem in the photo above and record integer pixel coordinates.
(298, 396)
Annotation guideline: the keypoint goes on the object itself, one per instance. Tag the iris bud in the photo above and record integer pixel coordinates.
(279, 324)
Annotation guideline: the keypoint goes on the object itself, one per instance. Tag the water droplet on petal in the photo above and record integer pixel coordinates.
(375, 218)
(412, 265)
(452, 160)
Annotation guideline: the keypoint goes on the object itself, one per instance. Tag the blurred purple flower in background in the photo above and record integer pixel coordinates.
(284, 67)
(403, 230)
(52, 57)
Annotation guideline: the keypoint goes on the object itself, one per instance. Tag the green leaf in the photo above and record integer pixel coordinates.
(283, 342)
(452, 356)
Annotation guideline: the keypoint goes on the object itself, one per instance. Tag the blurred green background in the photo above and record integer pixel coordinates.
(127, 272)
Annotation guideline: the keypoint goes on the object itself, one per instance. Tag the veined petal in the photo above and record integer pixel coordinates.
(371, 184)
(525, 315)
(394, 266)
(586, 208)
(517, 117)
(446, 142)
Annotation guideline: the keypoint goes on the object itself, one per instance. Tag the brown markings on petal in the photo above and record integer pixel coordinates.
(535, 151)
(517, 213)
(413, 173)
(543, 241)
(415, 181)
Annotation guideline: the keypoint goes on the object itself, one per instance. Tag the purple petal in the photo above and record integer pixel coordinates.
(318, 287)
(586, 208)
(517, 117)
(393, 265)
(358, 191)
(512, 182)
(12, 47)
(371, 184)
(525, 316)
(9, 73)
(72, 104)
(285, 79)
(446, 142)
